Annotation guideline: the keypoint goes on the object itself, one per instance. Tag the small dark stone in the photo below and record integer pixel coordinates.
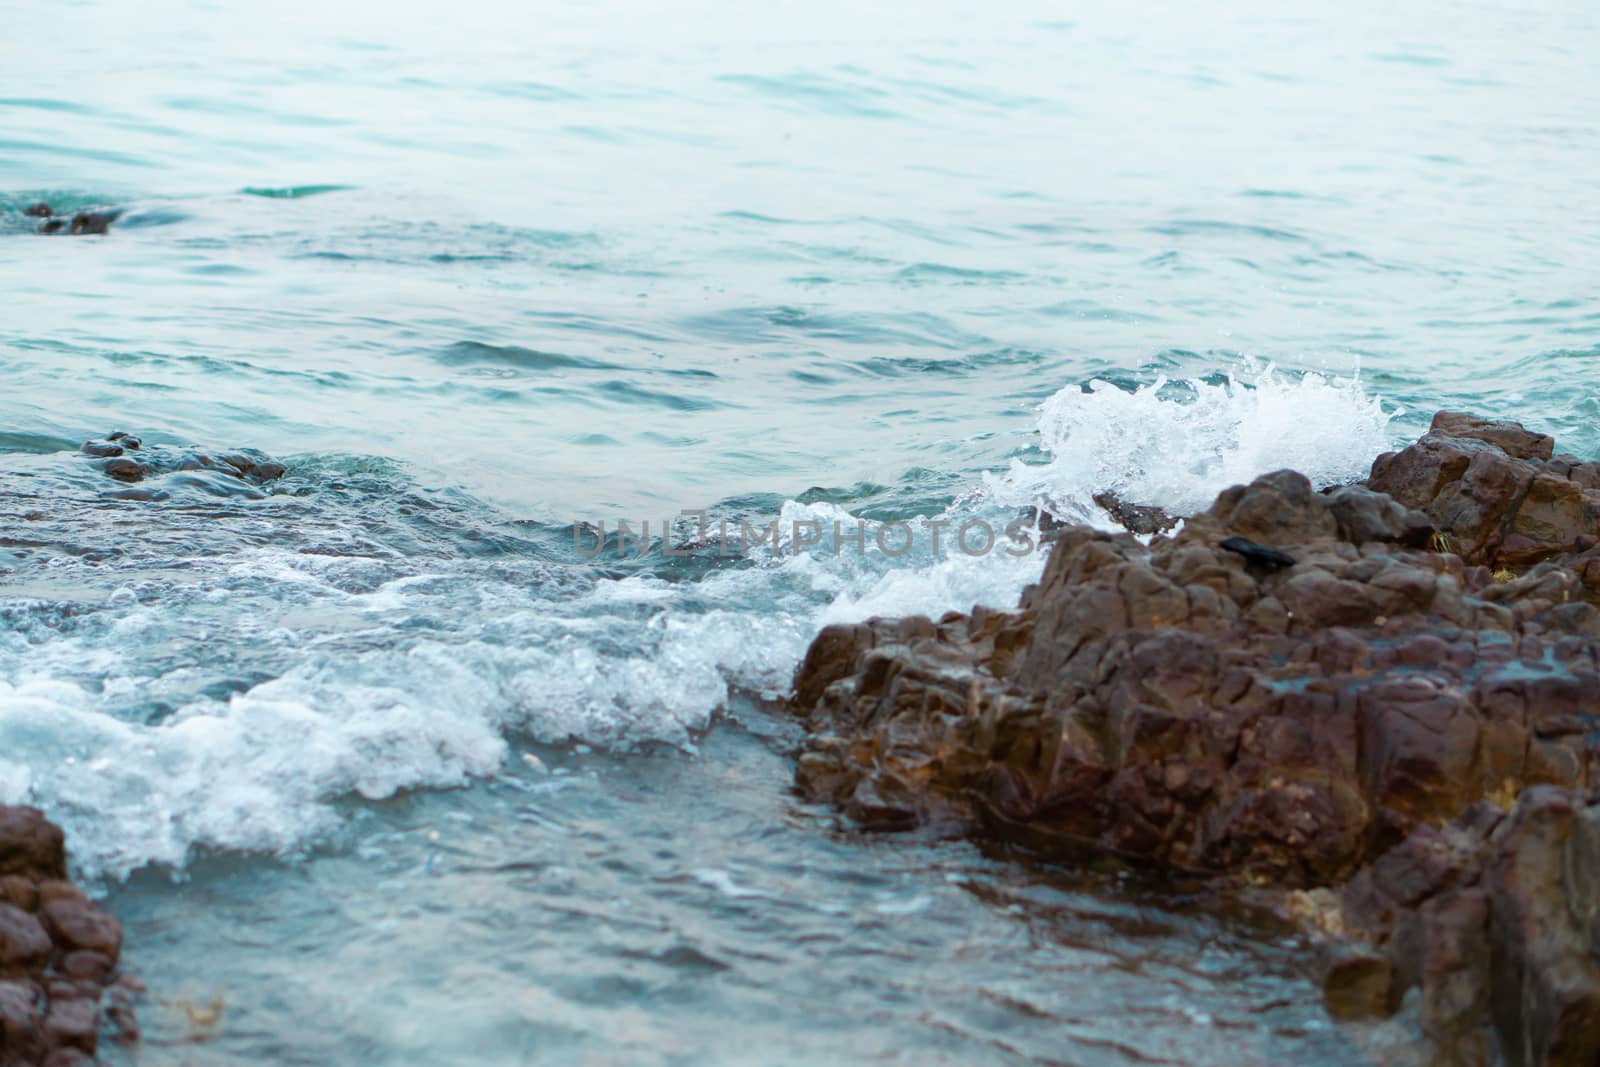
(19, 1017)
(87, 965)
(1360, 984)
(103, 449)
(52, 225)
(80, 925)
(1136, 518)
(252, 466)
(38, 211)
(92, 222)
(73, 1024)
(15, 889)
(125, 470)
(54, 889)
(23, 940)
(1257, 554)
(30, 844)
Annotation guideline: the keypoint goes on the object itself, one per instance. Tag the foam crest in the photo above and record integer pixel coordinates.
(235, 701)
(259, 772)
(1177, 444)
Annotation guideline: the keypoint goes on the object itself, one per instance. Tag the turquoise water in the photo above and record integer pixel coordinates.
(480, 272)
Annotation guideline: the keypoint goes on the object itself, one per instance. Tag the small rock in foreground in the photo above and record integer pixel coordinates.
(58, 952)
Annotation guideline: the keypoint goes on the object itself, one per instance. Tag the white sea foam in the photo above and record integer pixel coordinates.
(257, 772)
(1177, 444)
(386, 681)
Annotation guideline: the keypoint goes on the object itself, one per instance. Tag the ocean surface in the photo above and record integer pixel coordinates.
(385, 763)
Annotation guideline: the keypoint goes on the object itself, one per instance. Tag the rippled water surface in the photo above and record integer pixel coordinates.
(480, 272)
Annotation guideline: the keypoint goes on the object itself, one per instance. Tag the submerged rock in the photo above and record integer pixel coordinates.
(248, 465)
(1287, 692)
(80, 223)
(58, 952)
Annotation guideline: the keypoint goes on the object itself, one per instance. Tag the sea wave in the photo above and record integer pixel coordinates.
(234, 696)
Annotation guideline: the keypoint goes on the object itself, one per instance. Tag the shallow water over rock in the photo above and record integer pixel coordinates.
(651, 909)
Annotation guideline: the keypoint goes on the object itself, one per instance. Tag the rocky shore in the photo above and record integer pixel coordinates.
(1375, 708)
(60, 990)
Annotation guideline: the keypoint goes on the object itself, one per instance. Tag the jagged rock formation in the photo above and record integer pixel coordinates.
(1492, 918)
(1496, 490)
(1292, 686)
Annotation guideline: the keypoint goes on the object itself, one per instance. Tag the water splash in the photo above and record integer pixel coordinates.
(1176, 445)
(230, 698)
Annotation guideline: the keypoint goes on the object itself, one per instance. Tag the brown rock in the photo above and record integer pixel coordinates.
(20, 1017)
(832, 656)
(1478, 917)
(72, 1023)
(93, 222)
(1364, 515)
(1136, 518)
(67, 1057)
(20, 891)
(1510, 437)
(101, 449)
(1545, 989)
(124, 469)
(24, 944)
(58, 889)
(30, 845)
(1360, 984)
(77, 924)
(1275, 509)
(87, 965)
(1493, 491)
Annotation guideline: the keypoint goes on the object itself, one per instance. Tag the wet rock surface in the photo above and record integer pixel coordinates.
(1136, 518)
(1340, 694)
(60, 990)
(126, 458)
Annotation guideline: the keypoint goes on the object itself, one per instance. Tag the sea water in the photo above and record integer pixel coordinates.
(387, 765)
